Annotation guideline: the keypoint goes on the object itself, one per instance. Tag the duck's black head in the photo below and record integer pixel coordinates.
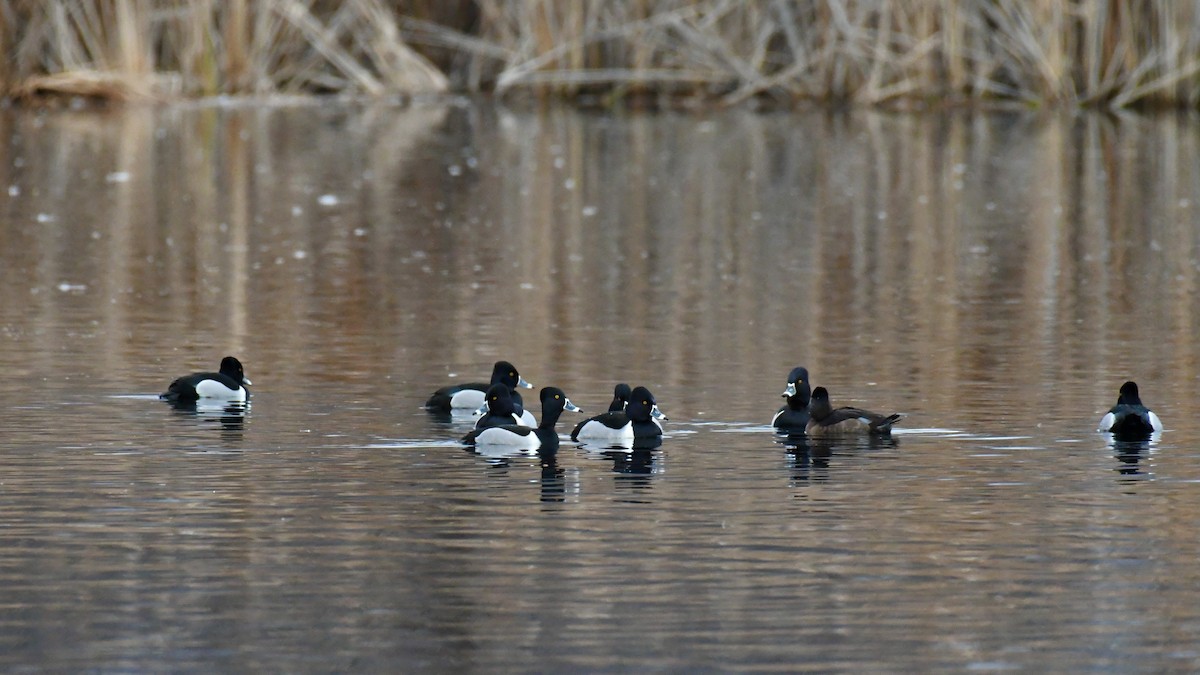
(506, 373)
(819, 406)
(621, 394)
(1129, 395)
(797, 392)
(231, 367)
(554, 401)
(498, 400)
(642, 406)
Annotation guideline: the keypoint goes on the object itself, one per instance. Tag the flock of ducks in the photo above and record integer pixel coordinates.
(633, 418)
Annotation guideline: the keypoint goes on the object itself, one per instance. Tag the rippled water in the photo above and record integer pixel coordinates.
(993, 277)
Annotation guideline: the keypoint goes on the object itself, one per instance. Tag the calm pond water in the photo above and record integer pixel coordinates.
(994, 277)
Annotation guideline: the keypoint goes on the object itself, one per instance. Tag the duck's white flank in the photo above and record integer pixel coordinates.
(467, 398)
(214, 389)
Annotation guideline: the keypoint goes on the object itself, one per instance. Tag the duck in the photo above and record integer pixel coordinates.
(794, 416)
(639, 419)
(497, 409)
(621, 394)
(519, 436)
(825, 420)
(1129, 417)
(228, 384)
(471, 395)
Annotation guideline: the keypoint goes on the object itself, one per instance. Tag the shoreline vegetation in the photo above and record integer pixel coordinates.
(1108, 54)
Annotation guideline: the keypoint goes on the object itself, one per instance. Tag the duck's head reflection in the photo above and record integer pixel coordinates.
(634, 470)
(810, 456)
(809, 459)
(632, 462)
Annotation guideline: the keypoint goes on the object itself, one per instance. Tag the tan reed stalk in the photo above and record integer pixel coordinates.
(1037, 52)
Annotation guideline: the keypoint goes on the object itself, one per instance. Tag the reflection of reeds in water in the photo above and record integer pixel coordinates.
(1119, 52)
(921, 253)
(943, 254)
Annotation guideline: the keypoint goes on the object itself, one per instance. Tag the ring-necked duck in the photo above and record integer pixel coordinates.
(621, 394)
(824, 420)
(228, 385)
(498, 409)
(554, 402)
(1129, 417)
(471, 395)
(794, 416)
(639, 419)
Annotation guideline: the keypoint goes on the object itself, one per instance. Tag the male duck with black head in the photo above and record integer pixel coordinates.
(471, 395)
(825, 420)
(497, 409)
(621, 394)
(518, 436)
(639, 420)
(793, 417)
(1129, 418)
(228, 384)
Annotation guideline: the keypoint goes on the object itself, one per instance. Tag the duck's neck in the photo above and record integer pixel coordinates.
(638, 414)
(819, 410)
(802, 398)
(549, 418)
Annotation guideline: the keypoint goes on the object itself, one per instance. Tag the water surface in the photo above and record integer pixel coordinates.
(993, 277)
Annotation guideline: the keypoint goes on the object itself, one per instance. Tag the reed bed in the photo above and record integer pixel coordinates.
(1114, 53)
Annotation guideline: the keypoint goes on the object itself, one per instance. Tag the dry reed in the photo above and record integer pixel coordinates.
(1033, 52)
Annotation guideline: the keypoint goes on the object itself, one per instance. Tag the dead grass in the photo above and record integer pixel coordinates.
(167, 48)
(1114, 53)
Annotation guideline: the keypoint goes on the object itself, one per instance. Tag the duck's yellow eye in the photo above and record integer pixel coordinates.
(512, 374)
(645, 402)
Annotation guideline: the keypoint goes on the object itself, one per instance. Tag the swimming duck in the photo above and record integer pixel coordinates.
(824, 420)
(620, 397)
(229, 384)
(639, 419)
(794, 416)
(471, 395)
(544, 436)
(1129, 417)
(498, 409)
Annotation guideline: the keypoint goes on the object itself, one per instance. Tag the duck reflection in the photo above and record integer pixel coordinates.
(637, 462)
(554, 478)
(499, 455)
(634, 468)
(230, 415)
(606, 447)
(1132, 455)
(503, 461)
(809, 457)
(632, 462)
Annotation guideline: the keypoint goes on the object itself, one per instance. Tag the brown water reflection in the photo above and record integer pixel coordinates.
(995, 277)
(937, 256)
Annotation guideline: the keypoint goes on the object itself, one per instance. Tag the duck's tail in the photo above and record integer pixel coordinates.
(884, 426)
